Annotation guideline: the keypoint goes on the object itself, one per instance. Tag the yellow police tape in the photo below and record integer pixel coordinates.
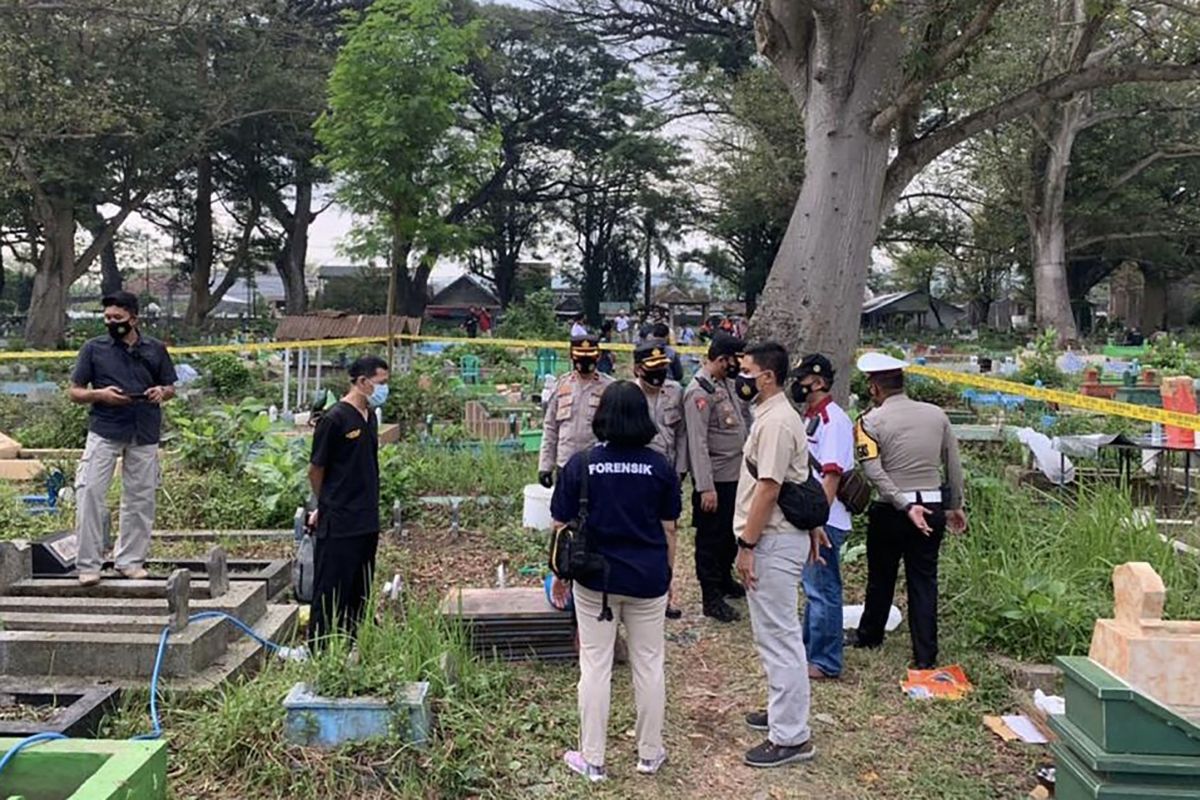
(1099, 405)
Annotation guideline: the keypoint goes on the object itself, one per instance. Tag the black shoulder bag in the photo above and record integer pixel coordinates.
(570, 557)
(803, 504)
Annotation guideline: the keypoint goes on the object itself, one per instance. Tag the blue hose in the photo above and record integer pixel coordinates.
(156, 731)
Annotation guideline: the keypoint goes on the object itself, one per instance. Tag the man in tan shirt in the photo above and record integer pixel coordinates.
(772, 554)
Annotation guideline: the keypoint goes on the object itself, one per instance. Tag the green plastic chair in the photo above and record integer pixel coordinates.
(469, 370)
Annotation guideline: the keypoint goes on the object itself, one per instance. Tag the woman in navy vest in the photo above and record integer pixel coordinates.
(633, 502)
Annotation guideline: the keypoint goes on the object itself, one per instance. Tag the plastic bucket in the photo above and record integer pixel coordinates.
(536, 511)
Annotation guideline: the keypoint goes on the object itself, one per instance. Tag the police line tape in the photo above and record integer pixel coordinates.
(311, 344)
(1070, 399)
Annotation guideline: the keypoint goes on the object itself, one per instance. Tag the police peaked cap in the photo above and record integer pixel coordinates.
(585, 347)
(814, 364)
(725, 345)
(651, 356)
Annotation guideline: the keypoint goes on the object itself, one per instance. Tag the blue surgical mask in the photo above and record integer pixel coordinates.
(379, 395)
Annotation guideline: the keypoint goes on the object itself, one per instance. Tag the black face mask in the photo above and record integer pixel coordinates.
(746, 387)
(655, 377)
(119, 330)
(800, 392)
(585, 366)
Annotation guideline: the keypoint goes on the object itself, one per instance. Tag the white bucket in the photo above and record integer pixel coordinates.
(536, 511)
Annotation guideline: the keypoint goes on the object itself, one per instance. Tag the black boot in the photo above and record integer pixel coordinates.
(733, 590)
(716, 607)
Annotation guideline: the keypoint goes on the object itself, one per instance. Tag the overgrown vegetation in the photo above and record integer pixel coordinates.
(1035, 570)
(1171, 357)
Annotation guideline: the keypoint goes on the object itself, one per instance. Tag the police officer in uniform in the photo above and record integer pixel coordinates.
(716, 425)
(651, 364)
(567, 428)
(902, 445)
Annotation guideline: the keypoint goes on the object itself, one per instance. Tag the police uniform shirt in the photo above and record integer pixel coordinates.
(346, 445)
(666, 409)
(716, 431)
(567, 427)
(832, 445)
(778, 448)
(901, 444)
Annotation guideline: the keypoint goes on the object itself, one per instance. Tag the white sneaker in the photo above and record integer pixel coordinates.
(298, 654)
(650, 766)
(575, 760)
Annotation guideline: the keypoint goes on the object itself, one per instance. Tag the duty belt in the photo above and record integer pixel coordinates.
(922, 496)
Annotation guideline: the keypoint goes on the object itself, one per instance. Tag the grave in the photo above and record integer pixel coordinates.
(87, 769)
(61, 634)
(513, 624)
(1132, 708)
(74, 711)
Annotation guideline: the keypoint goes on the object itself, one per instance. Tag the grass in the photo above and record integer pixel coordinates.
(1036, 569)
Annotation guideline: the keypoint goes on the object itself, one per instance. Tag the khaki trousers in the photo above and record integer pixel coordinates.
(643, 618)
(139, 482)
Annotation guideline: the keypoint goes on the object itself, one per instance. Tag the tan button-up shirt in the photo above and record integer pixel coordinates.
(778, 448)
(666, 409)
(567, 427)
(902, 445)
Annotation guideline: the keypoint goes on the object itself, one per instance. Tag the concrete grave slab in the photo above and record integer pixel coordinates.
(80, 708)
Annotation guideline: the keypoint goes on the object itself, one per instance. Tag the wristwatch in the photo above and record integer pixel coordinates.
(742, 543)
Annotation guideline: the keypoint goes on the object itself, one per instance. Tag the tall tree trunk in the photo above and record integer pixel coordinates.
(1047, 223)
(504, 275)
(199, 298)
(46, 322)
(647, 287)
(812, 300)
(290, 264)
(110, 275)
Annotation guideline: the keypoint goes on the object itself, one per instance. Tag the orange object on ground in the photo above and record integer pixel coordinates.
(1179, 394)
(947, 683)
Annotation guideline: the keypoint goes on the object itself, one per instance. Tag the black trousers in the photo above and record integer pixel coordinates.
(343, 569)
(891, 536)
(715, 545)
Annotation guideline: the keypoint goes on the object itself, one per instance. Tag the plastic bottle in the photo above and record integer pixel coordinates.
(273, 413)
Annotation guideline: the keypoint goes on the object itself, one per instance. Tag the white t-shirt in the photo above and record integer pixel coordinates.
(578, 330)
(622, 323)
(832, 445)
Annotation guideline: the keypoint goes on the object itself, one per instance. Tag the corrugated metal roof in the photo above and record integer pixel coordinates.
(327, 325)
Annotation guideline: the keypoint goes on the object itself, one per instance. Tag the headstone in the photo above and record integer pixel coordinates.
(218, 572)
(16, 563)
(179, 591)
(1155, 656)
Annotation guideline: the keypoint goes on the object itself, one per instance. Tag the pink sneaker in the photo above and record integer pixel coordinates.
(575, 760)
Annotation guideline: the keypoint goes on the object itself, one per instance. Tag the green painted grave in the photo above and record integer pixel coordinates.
(85, 769)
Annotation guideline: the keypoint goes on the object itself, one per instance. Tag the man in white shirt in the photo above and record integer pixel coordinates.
(831, 443)
(622, 325)
(577, 328)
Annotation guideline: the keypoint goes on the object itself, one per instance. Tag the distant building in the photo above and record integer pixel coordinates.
(455, 301)
(911, 309)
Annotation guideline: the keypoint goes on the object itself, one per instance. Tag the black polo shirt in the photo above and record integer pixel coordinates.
(105, 362)
(347, 445)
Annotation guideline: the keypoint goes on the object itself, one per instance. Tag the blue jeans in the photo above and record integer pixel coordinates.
(823, 614)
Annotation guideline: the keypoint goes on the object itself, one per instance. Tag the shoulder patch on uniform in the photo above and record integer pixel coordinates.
(701, 403)
(865, 446)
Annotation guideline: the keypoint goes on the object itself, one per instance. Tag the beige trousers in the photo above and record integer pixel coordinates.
(643, 618)
(139, 482)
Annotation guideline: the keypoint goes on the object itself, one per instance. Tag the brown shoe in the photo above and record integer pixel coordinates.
(134, 573)
(816, 674)
(89, 578)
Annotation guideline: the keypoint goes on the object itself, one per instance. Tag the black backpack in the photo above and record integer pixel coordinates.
(570, 557)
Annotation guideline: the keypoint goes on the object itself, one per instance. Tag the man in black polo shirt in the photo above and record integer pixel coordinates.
(126, 377)
(344, 473)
